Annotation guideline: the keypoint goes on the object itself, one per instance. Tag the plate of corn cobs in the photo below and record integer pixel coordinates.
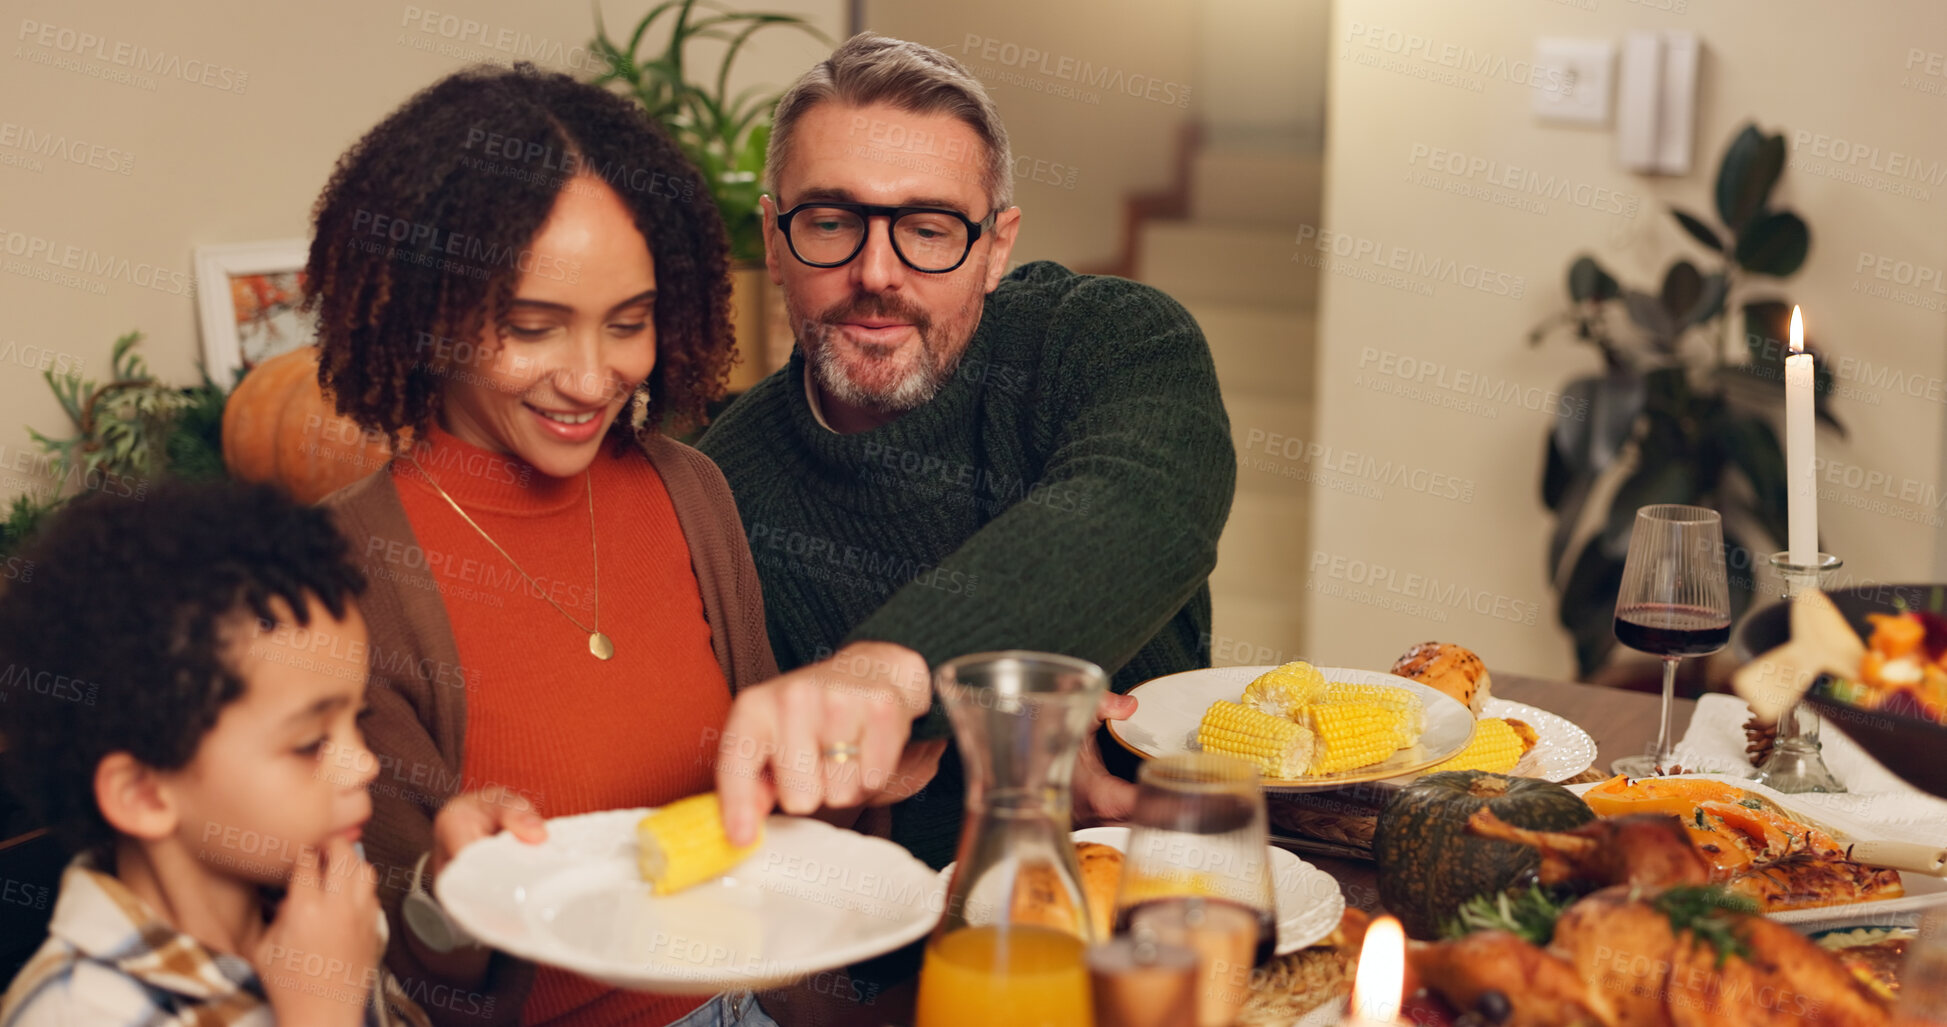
(1304, 727)
(659, 900)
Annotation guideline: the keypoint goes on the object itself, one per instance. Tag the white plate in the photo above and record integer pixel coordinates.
(1922, 891)
(1309, 902)
(1168, 710)
(1562, 749)
(812, 897)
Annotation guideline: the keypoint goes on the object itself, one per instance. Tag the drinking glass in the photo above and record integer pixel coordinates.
(1675, 602)
(1197, 873)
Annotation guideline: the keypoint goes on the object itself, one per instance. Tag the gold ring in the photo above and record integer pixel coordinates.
(843, 752)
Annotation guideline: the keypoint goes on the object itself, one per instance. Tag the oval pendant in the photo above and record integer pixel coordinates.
(599, 644)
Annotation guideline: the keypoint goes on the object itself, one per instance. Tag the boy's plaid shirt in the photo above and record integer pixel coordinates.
(109, 959)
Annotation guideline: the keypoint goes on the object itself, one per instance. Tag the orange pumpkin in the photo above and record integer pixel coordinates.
(278, 426)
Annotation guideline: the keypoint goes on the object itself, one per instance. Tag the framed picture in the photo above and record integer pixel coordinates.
(247, 300)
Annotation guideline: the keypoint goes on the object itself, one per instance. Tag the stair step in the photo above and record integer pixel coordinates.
(1259, 349)
(1227, 263)
(1271, 435)
(1257, 187)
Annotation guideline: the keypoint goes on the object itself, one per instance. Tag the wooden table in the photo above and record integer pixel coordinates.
(1622, 723)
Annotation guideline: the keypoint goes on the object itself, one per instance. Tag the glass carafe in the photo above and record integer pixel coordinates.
(1008, 948)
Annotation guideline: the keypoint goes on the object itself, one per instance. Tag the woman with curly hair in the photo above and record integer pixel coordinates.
(520, 280)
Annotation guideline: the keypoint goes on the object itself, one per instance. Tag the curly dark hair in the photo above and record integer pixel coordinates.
(421, 237)
(115, 640)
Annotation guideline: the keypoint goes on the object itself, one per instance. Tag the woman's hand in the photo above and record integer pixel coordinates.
(829, 734)
(467, 818)
(326, 933)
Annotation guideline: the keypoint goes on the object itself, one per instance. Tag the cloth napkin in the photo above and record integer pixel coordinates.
(1876, 800)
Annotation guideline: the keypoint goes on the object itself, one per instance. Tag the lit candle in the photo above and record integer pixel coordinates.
(1379, 984)
(1802, 501)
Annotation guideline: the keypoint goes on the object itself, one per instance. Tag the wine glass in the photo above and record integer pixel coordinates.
(1197, 873)
(1675, 602)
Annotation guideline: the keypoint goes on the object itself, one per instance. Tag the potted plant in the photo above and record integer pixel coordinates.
(128, 431)
(1678, 412)
(725, 135)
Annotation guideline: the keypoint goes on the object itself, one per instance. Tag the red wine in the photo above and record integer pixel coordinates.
(1185, 909)
(1666, 629)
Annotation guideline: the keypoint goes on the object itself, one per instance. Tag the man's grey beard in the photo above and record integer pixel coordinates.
(930, 372)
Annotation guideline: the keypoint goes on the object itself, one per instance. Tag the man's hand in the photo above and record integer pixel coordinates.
(1101, 798)
(326, 933)
(832, 733)
(466, 819)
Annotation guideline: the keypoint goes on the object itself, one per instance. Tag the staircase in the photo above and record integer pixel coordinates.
(1230, 262)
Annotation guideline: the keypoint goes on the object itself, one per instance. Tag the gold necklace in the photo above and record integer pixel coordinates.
(598, 643)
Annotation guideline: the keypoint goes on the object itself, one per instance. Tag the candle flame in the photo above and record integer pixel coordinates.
(1381, 978)
(1798, 332)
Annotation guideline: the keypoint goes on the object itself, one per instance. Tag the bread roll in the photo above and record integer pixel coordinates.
(1101, 877)
(1449, 668)
(1039, 899)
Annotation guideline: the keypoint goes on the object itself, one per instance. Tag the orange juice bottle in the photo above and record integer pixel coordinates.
(1017, 975)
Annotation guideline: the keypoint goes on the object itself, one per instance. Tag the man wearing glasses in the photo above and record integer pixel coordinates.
(957, 458)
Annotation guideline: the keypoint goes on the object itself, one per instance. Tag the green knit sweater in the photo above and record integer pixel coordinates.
(1063, 492)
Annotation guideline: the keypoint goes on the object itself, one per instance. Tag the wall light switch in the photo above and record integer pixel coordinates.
(1571, 80)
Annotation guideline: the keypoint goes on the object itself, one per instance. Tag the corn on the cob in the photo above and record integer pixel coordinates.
(1496, 747)
(1281, 691)
(1353, 735)
(1279, 747)
(1407, 703)
(683, 843)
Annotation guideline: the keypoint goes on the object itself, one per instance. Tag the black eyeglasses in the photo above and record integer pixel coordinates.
(933, 240)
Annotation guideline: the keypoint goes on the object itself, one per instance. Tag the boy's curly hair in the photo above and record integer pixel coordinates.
(422, 235)
(115, 636)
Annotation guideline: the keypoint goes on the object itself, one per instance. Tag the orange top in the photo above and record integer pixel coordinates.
(545, 717)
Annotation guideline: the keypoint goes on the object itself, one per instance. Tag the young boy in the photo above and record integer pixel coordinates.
(166, 706)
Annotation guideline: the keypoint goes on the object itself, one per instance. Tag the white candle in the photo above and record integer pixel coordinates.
(1802, 500)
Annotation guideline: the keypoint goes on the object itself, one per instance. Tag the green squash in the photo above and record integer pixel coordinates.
(1430, 864)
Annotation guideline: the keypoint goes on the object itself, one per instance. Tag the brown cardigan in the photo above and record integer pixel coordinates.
(417, 690)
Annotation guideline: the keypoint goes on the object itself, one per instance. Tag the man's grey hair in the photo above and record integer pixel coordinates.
(869, 68)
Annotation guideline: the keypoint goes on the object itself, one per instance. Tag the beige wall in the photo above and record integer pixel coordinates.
(213, 165)
(1835, 70)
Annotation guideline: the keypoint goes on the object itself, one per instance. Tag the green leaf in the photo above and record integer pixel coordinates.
(1752, 164)
(1710, 914)
(1530, 915)
(1710, 304)
(1775, 244)
(1752, 447)
(1588, 605)
(1683, 287)
(1588, 281)
(755, 146)
(1653, 481)
(1648, 313)
(1698, 230)
(1575, 492)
